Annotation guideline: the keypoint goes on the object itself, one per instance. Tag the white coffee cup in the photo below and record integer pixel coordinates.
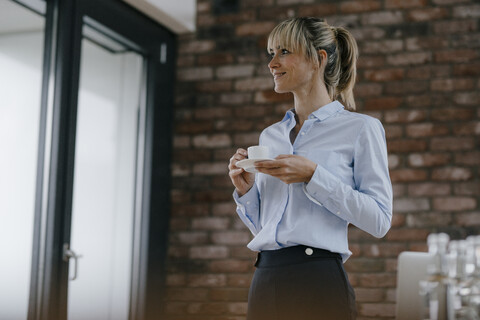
(258, 152)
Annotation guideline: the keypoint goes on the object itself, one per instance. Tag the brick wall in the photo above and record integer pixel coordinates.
(418, 72)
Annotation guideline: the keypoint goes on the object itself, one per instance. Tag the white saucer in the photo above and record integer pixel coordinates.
(249, 164)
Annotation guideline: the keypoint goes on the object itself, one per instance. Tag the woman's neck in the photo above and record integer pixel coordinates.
(308, 101)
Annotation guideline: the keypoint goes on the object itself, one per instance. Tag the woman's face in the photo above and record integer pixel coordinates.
(291, 71)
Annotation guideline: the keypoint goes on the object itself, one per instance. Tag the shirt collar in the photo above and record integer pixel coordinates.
(321, 113)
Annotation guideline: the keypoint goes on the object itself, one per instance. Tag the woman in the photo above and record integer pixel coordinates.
(329, 170)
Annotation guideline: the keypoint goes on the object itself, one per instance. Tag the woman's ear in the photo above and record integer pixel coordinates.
(322, 58)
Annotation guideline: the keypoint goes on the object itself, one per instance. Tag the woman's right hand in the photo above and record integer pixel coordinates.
(241, 179)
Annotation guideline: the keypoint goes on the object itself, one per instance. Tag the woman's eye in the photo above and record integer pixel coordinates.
(285, 51)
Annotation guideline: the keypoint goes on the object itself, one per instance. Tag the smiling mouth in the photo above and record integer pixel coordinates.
(278, 75)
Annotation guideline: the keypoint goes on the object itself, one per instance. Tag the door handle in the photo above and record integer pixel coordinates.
(67, 255)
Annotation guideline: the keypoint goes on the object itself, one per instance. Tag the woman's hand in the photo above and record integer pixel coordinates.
(241, 179)
(288, 168)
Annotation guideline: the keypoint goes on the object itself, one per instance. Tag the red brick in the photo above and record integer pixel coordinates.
(318, 10)
(208, 252)
(399, 88)
(467, 98)
(370, 61)
(385, 74)
(195, 74)
(383, 103)
(393, 161)
(452, 27)
(452, 174)
(229, 294)
(402, 146)
(402, 4)
(214, 59)
(189, 237)
(452, 114)
(471, 11)
(231, 237)
(254, 28)
(467, 129)
(239, 280)
(419, 130)
(459, 55)
(364, 265)
(377, 280)
(242, 16)
(408, 175)
(411, 205)
(418, 101)
(196, 46)
(214, 86)
(276, 13)
(231, 266)
(467, 69)
(187, 294)
(235, 71)
(192, 127)
(403, 116)
(467, 219)
(393, 131)
(359, 6)
(467, 188)
(377, 310)
(451, 84)
(428, 219)
(428, 159)
(427, 14)
(212, 195)
(469, 158)
(407, 234)
(207, 280)
(429, 189)
(382, 46)
(383, 18)
(452, 144)
(207, 308)
(409, 58)
(212, 141)
(449, 2)
(190, 210)
(246, 139)
(210, 223)
(454, 203)
(267, 96)
(253, 84)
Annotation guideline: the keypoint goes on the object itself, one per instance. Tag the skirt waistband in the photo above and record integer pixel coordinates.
(292, 255)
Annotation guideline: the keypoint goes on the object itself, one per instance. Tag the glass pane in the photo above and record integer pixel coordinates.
(104, 182)
(21, 55)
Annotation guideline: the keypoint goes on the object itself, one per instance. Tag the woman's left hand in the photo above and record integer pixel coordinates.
(288, 168)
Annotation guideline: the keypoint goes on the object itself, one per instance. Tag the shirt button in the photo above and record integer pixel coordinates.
(309, 251)
(303, 133)
(338, 212)
(248, 202)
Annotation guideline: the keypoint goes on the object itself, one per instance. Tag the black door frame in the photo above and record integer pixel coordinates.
(49, 281)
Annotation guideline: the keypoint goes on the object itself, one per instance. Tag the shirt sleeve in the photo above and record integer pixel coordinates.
(248, 208)
(368, 205)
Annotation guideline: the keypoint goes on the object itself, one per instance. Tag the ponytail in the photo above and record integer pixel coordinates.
(348, 55)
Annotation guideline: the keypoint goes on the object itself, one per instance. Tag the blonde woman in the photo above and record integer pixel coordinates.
(329, 171)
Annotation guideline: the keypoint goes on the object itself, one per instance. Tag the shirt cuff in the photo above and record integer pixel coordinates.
(249, 200)
(322, 187)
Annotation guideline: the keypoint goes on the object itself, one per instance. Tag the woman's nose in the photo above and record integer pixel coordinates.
(274, 62)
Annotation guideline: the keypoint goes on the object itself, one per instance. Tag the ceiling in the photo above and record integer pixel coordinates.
(178, 16)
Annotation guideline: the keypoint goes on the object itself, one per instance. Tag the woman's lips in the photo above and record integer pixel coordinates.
(278, 75)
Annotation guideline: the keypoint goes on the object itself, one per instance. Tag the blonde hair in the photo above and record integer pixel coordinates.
(308, 35)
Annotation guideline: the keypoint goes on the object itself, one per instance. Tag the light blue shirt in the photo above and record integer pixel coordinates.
(351, 183)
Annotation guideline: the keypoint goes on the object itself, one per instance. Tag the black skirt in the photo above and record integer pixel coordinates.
(301, 283)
